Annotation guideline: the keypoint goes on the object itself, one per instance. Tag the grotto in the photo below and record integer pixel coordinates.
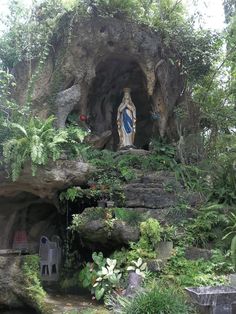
(84, 77)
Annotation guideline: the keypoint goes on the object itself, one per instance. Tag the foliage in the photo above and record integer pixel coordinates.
(231, 226)
(139, 267)
(38, 141)
(101, 276)
(28, 32)
(71, 194)
(223, 170)
(151, 231)
(183, 272)
(154, 300)
(132, 217)
(109, 278)
(90, 214)
(10, 111)
(76, 134)
(141, 249)
(35, 292)
(88, 274)
(192, 177)
(145, 248)
(121, 258)
(168, 233)
(70, 281)
(74, 193)
(208, 226)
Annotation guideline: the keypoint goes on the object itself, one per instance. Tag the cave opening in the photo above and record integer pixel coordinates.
(31, 215)
(106, 93)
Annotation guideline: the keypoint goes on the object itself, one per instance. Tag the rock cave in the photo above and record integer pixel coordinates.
(29, 213)
(106, 92)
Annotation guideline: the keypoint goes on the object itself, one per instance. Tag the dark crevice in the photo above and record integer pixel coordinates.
(70, 83)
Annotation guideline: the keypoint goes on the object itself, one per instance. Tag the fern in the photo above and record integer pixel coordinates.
(38, 142)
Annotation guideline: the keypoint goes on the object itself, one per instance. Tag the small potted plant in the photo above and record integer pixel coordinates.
(110, 202)
(102, 202)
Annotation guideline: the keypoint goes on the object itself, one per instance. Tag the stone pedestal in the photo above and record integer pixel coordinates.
(214, 300)
(221, 309)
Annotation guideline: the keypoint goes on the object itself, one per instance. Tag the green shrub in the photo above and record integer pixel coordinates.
(121, 257)
(101, 276)
(141, 249)
(155, 301)
(151, 231)
(208, 226)
(168, 233)
(187, 273)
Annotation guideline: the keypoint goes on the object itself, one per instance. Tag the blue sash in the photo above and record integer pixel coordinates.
(127, 121)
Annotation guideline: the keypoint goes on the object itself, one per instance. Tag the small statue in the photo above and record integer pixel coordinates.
(126, 120)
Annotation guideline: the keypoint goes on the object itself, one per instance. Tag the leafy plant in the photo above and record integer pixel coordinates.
(38, 142)
(231, 227)
(223, 170)
(168, 233)
(107, 280)
(132, 217)
(183, 272)
(151, 231)
(139, 267)
(202, 229)
(100, 277)
(141, 249)
(88, 274)
(121, 258)
(74, 193)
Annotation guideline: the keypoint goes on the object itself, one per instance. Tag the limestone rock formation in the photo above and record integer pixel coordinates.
(98, 234)
(90, 64)
(161, 196)
(13, 285)
(31, 203)
(48, 180)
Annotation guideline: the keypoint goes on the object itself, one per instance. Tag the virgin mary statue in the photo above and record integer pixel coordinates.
(126, 120)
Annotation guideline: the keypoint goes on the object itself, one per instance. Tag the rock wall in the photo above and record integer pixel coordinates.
(90, 65)
(16, 291)
(31, 203)
(161, 196)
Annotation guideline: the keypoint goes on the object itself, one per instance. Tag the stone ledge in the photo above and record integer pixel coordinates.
(48, 180)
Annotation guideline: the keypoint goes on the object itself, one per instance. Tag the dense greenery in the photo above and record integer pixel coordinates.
(207, 61)
(155, 300)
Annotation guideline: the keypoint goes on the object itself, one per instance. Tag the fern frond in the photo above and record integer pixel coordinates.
(19, 127)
